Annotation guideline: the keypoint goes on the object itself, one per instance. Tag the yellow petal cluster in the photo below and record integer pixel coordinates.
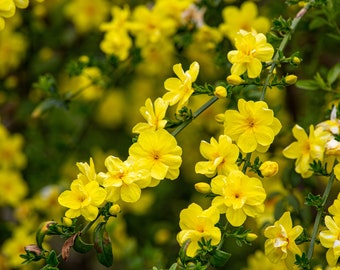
(252, 127)
(158, 152)
(124, 179)
(251, 50)
(243, 18)
(222, 156)
(83, 199)
(307, 148)
(180, 89)
(153, 114)
(280, 244)
(195, 224)
(238, 196)
(330, 239)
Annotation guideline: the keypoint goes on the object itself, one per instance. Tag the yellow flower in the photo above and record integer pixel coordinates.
(158, 152)
(116, 39)
(12, 50)
(180, 89)
(251, 50)
(117, 43)
(153, 114)
(87, 172)
(238, 196)
(14, 246)
(220, 92)
(281, 243)
(222, 156)
(269, 168)
(330, 239)
(259, 261)
(124, 180)
(150, 26)
(8, 8)
(290, 79)
(306, 148)
(11, 155)
(195, 224)
(86, 15)
(203, 187)
(82, 199)
(334, 209)
(235, 79)
(253, 127)
(13, 188)
(245, 18)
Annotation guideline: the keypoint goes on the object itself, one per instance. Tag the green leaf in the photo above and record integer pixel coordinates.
(173, 267)
(81, 246)
(219, 258)
(307, 84)
(52, 259)
(333, 74)
(102, 245)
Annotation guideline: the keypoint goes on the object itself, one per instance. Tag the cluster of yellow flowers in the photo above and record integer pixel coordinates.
(152, 28)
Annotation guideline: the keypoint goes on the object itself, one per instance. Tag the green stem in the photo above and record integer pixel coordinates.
(283, 45)
(88, 226)
(319, 214)
(194, 115)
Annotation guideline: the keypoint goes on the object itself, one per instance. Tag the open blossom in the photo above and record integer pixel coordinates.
(306, 148)
(252, 127)
(251, 50)
(243, 18)
(158, 152)
(280, 244)
(124, 179)
(180, 89)
(222, 156)
(238, 196)
(195, 224)
(8, 8)
(87, 171)
(153, 114)
(330, 239)
(83, 199)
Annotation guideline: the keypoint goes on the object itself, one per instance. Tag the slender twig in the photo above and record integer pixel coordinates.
(194, 115)
(283, 45)
(320, 213)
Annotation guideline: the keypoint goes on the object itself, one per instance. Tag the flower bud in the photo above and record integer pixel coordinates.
(67, 221)
(234, 79)
(220, 92)
(220, 118)
(251, 237)
(269, 168)
(34, 249)
(203, 187)
(296, 60)
(114, 209)
(290, 79)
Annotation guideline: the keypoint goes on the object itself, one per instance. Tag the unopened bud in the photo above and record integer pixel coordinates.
(67, 221)
(251, 237)
(234, 79)
(290, 79)
(114, 209)
(34, 249)
(296, 60)
(220, 118)
(220, 92)
(202, 187)
(269, 168)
